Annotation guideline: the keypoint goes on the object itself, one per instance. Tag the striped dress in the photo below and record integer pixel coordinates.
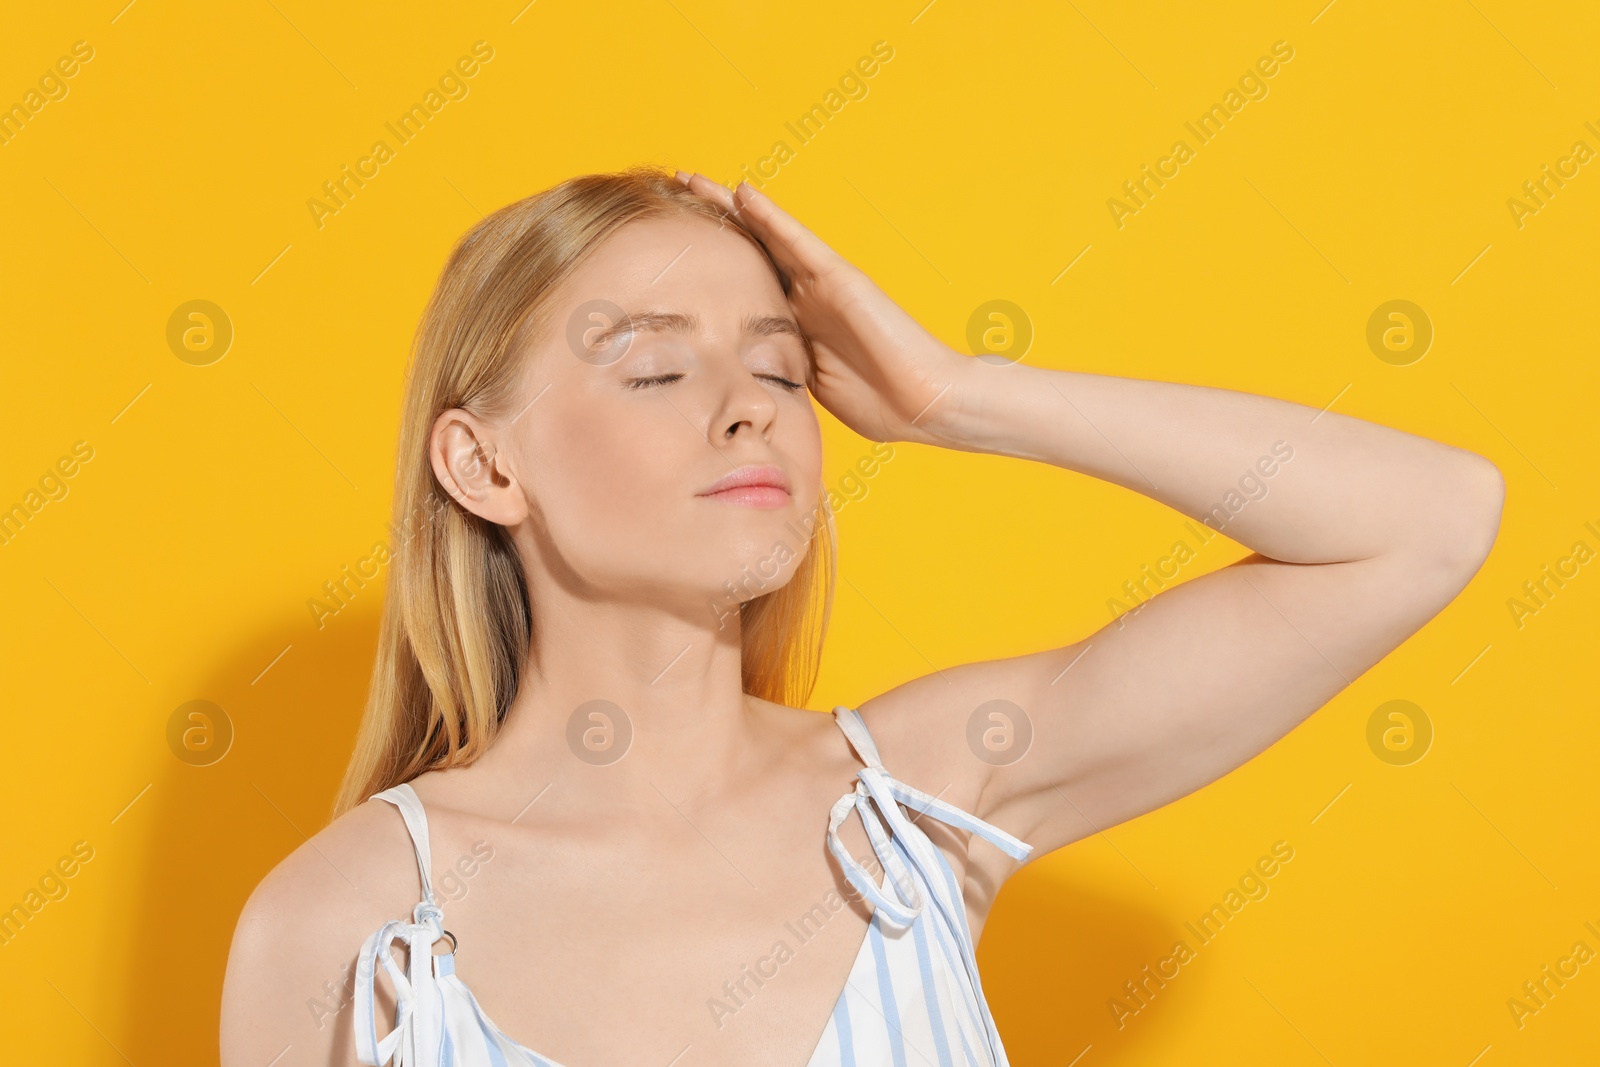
(912, 997)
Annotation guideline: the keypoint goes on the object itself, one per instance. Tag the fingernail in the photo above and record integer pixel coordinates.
(682, 177)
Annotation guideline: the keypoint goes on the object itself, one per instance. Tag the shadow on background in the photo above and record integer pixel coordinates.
(220, 828)
(1088, 944)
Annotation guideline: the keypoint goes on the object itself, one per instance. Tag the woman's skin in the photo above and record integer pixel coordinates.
(620, 898)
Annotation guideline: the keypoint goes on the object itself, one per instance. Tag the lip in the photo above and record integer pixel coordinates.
(762, 485)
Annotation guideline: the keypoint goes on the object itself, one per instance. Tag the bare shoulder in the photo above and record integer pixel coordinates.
(291, 968)
(946, 733)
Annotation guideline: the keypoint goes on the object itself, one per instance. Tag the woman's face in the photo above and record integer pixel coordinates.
(625, 429)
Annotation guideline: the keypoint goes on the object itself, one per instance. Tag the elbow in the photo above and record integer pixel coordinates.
(1468, 532)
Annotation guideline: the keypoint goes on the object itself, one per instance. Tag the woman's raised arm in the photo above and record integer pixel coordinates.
(1361, 534)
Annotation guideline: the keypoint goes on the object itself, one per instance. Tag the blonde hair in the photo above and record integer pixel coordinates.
(457, 621)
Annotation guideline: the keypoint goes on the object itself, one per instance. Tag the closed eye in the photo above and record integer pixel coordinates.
(664, 379)
(658, 379)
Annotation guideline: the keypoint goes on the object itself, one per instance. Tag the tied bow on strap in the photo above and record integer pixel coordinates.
(875, 797)
(418, 1030)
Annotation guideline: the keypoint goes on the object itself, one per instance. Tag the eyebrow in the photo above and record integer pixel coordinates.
(655, 320)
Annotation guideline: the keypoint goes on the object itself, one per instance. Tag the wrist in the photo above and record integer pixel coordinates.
(970, 391)
(940, 392)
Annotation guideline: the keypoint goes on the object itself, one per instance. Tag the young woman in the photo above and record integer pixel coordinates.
(585, 800)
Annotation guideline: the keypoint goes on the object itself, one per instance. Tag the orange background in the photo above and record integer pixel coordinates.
(975, 164)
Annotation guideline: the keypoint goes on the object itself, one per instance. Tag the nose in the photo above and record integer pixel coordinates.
(745, 402)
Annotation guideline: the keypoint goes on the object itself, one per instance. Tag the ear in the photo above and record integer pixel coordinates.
(471, 469)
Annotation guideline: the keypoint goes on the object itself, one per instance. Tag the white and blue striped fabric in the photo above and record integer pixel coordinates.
(912, 998)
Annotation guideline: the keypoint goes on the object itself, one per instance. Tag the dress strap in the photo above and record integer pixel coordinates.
(405, 798)
(877, 796)
(855, 728)
(418, 1033)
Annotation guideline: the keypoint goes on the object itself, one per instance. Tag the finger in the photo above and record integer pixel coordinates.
(724, 197)
(783, 256)
(778, 227)
(716, 191)
(682, 178)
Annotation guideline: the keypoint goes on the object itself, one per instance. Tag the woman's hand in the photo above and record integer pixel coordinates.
(873, 366)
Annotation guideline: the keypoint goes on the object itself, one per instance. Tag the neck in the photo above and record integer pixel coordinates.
(623, 703)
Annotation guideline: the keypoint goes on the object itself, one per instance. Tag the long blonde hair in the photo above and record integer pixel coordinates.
(457, 620)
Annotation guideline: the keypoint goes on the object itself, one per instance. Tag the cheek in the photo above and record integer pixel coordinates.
(609, 478)
(803, 444)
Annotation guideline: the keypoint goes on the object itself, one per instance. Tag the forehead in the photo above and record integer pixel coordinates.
(680, 256)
